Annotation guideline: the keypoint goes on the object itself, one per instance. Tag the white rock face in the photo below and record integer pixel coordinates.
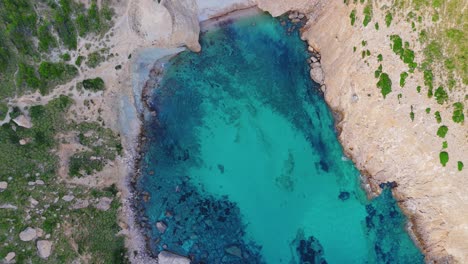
(28, 234)
(166, 257)
(166, 24)
(3, 185)
(23, 121)
(10, 256)
(44, 248)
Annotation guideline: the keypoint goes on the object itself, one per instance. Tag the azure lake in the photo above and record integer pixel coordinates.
(242, 163)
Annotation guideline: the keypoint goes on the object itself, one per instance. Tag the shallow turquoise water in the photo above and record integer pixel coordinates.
(243, 165)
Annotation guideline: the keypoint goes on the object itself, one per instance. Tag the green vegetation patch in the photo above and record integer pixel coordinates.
(367, 14)
(403, 77)
(460, 165)
(444, 145)
(441, 95)
(405, 53)
(352, 16)
(444, 158)
(388, 19)
(385, 84)
(94, 59)
(95, 85)
(442, 131)
(438, 117)
(3, 111)
(55, 74)
(458, 116)
(94, 231)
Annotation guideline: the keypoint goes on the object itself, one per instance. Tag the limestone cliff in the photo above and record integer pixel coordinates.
(379, 134)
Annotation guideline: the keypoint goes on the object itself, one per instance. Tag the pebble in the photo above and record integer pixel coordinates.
(161, 226)
(68, 198)
(40, 182)
(10, 256)
(3, 185)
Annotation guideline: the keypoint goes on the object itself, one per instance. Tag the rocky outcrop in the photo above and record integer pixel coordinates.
(166, 23)
(104, 204)
(23, 121)
(166, 257)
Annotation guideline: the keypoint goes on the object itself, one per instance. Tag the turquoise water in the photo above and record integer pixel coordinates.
(243, 165)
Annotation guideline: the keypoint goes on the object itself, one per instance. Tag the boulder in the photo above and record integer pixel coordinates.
(10, 256)
(234, 251)
(44, 248)
(317, 75)
(28, 234)
(166, 257)
(68, 198)
(80, 204)
(23, 121)
(3, 185)
(104, 203)
(161, 226)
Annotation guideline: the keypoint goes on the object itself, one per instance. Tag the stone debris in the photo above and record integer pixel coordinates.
(31, 183)
(166, 257)
(10, 256)
(44, 248)
(28, 234)
(23, 142)
(3, 185)
(104, 204)
(161, 226)
(23, 121)
(80, 204)
(68, 198)
(39, 232)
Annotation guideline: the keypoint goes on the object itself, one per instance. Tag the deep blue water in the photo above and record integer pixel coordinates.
(243, 165)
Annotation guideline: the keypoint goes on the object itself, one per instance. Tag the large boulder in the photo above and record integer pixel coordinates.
(317, 75)
(44, 248)
(166, 257)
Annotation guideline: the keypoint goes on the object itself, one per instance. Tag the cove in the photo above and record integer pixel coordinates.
(241, 163)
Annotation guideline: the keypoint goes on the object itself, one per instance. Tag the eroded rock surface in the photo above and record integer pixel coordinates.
(166, 257)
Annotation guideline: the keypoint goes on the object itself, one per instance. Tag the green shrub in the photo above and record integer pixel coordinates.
(376, 26)
(442, 131)
(367, 14)
(65, 57)
(27, 76)
(438, 117)
(441, 95)
(403, 77)
(388, 19)
(460, 165)
(418, 89)
(444, 145)
(458, 116)
(352, 16)
(444, 158)
(385, 84)
(379, 57)
(412, 114)
(428, 110)
(64, 25)
(94, 59)
(378, 71)
(79, 60)
(95, 85)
